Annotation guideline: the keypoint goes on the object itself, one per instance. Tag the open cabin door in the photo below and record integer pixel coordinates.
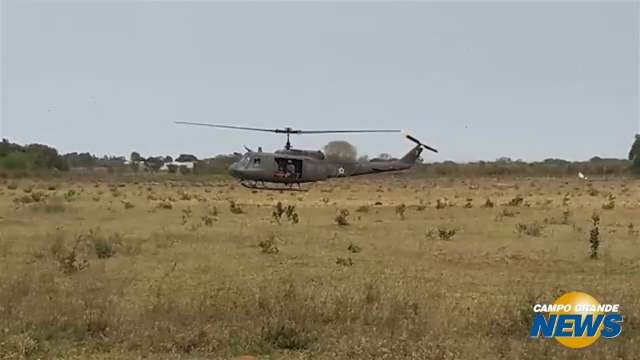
(288, 168)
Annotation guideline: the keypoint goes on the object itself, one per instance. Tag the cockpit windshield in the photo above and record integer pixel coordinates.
(244, 160)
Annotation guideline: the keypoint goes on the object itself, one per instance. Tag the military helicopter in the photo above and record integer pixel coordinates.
(289, 166)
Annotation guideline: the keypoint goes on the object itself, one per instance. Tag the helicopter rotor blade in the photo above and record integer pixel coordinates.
(413, 139)
(348, 131)
(420, 143)
(288, 130)
(226, 126)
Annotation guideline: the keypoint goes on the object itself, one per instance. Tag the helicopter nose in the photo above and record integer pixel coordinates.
(234, 170)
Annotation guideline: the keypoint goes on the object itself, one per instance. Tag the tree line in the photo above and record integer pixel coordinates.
(39, 157)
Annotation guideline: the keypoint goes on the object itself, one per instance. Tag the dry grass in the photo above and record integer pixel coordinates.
(202, 270)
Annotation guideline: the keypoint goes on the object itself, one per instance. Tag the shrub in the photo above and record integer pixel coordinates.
(235, 208)
(165, 205)
(344, 261)
(508, 213)
(488, 204)
(442, 203)
(68, 259)
(212, 211)
(363, 209)
(207, 220)
(610, 204)
(516, 201)
(594, 236)
(16, 161)
(446, 234)
(268, 246)
(103, 248)
(37, 196)
(342, 217)
(55, 205)
(534, 229)
(278, 211)
(286, 336)
(292, 215)
(400, 211)
(354, 248)
(70, 195)
(23, 199)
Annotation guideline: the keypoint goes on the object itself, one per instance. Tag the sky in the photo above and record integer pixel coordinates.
(477, 80)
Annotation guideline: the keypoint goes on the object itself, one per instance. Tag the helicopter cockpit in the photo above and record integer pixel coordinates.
(249, 160)
(244, 160)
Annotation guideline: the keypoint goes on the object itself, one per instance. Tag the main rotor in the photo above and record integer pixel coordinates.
(290, 131)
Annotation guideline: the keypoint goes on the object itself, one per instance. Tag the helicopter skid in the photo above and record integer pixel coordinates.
(262, 186)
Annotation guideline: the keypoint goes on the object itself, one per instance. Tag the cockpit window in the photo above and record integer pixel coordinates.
(244, 161)
(256, 162)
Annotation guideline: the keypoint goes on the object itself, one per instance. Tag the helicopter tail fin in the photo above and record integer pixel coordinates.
(412, 155)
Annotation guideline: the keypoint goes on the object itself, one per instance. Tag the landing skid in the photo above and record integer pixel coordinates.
(262, 186)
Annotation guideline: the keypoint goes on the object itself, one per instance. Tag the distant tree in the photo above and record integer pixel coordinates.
(45, 157)
(384, 156)
(363, 158)
(16, 160)
(634, 155)
(135, 157)
(168, 159)
(84, 160)
(340, 151)
(186, 158)
(6, 148)
(154, 163)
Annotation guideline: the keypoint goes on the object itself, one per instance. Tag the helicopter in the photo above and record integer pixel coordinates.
(287, 167)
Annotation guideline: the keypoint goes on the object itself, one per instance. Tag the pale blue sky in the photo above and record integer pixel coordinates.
(477, 80)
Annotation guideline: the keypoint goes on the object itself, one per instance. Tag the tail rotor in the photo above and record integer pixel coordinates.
(420, 143)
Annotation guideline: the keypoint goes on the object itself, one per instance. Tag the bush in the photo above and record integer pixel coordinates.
(534, 229)
(235, 208)
(68, 259)
(594, 236)
(165, 204)
(278, 211)
(16, 161)
(268, 246)
(342, 217)
(354, 248)
(610, 204)
(55, 205)
(400, 211)
(446, 234)
(103, 248)
(344, 261)
(286, 336)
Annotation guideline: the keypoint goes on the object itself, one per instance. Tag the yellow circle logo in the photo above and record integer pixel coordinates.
(579, 304)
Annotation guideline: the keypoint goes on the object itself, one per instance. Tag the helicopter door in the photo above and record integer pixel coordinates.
(289, 168)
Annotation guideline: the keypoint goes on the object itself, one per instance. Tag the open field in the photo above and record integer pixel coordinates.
(420, 269)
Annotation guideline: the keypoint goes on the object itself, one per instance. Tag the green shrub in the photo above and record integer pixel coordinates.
(342, 217)
(103, 248)
(16, 161)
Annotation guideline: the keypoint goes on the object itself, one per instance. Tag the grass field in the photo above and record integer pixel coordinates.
(413, 269)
